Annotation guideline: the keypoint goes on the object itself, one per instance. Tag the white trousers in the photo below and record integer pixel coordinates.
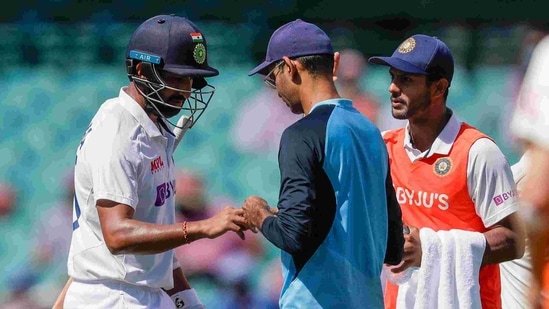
(115, 295)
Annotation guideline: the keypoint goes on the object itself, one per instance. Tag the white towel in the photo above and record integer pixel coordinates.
(447, 293)
(428, 277)
(449, 274)
(470, 249)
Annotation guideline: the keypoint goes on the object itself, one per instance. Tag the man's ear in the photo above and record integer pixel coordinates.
(293, 66)
(289, 65)
(441, 86)
(138, 69)
(336, 65)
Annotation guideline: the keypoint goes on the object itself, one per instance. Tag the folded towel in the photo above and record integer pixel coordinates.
(429, 276)
(469, 252)
(449, 274)
(447, 294)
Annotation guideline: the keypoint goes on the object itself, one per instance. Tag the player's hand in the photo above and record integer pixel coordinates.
(256, 210)
(228, 219)
(411, 255)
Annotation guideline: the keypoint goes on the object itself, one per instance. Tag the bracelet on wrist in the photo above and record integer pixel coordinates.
(185, 234)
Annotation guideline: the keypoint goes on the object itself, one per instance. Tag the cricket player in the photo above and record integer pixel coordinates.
(530, 123)
(448, 175)
(124, 229)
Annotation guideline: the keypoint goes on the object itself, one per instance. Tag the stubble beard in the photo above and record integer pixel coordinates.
(295, 107)
(408, 112)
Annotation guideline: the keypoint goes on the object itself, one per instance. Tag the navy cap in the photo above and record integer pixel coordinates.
(295, 39)
(173, 43)
(420, 54)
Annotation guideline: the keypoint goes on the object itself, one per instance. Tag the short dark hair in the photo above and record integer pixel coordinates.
(318, 64)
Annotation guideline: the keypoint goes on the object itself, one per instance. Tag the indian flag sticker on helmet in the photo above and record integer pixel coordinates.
(197, 37)
(199, 53)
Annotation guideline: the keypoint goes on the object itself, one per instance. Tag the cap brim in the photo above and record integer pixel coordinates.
(398, 64)
(198, 75)
(205, 71)
(261, 68)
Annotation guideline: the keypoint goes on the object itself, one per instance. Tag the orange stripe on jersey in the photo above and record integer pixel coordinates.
(432, 192)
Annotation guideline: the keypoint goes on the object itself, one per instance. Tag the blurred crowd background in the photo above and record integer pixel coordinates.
(61, 59)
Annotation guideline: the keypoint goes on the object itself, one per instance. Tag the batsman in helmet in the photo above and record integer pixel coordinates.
(124, 228)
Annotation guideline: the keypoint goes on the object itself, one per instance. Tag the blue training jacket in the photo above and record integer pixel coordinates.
(332, 225)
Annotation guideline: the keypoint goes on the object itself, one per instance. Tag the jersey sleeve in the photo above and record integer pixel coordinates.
(113, 169)
(395, 237)
(290, 229)
(531, 117)
(519, 171)
(490, 182)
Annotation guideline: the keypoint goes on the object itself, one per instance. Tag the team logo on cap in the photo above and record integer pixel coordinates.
(443, 166)
(407, 46)
(199, 53)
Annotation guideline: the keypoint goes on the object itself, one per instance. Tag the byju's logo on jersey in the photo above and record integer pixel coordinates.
(156, 164)
(500, 199)
(422, 198)
(163, 192)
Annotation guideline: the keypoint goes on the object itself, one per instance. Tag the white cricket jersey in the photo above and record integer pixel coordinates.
(489, 178)
(531, 118)
(123, 157)
(516, 274)
(530, 122)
